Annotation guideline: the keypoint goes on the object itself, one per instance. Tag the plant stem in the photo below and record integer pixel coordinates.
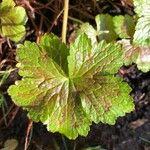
(65, 20)
(75, 19)
(64, 142)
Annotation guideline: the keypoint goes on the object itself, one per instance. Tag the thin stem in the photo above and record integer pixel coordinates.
(64, 142)
(65, 20)
(75, 20)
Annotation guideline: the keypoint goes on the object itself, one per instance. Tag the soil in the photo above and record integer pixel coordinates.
(131, 132)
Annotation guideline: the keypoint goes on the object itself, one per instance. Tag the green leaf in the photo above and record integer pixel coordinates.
(105, 23)
(12, 20)
(124, 26)
(69, 103)
(104, 29)
(142, 29)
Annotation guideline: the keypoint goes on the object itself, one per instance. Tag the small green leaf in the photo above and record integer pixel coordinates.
(124, 26)
(104, 29)
(12, 20)
(69, 103)
(105, 23)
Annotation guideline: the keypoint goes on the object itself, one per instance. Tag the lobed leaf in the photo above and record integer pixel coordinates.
(68, 102)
